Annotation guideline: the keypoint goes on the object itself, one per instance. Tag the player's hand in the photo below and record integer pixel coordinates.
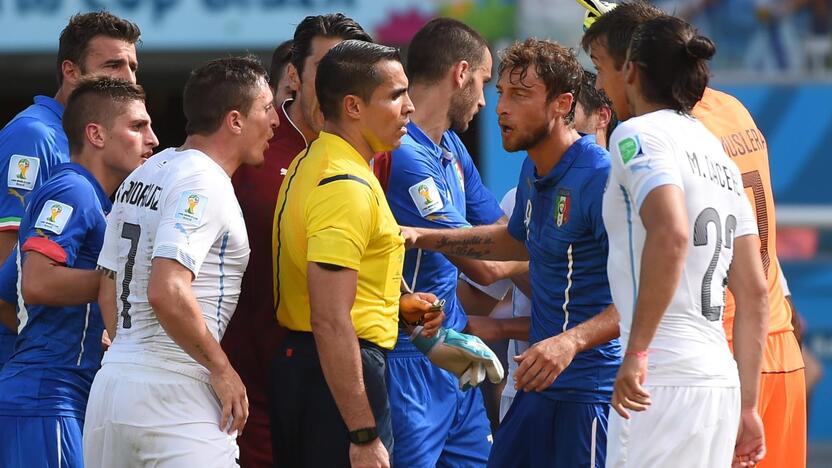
(370, 455)
(410, 236)
(232, 395)
(486, 328)
(419, 307)
(541, 364)
(105, 341)
(628, 391)
(751, 440)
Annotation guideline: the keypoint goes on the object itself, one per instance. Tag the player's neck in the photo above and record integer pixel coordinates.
(641, 106)
(547, 153)
(295, 113)
(63, 94)
(94, 163)
(351, 135)
(431, 110)
(217, 148)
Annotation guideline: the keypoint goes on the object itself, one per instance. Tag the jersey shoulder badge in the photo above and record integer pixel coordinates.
(53, 216)
(630, 148)
(191, 207)
(426, 197)
(23, 172)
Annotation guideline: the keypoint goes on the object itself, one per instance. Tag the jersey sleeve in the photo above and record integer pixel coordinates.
(25, 156)
(643, 161)
(8, 278)
(746, 221)
(108, 257)
(340, 217)
(56, 222)
(191, 220)
(418, 193)
(517, 220)
(480, 204)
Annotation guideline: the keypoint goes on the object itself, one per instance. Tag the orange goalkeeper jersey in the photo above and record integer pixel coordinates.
(729, 120)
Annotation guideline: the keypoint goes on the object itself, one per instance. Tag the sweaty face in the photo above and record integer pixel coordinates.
(129, 140)
(384, 117)
(259, 125)
(611, 80)
(310, 108)
(110, 57)
(468, 101)
(522, 110)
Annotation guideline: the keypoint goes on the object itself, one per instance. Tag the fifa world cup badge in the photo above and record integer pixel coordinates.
(562, 203)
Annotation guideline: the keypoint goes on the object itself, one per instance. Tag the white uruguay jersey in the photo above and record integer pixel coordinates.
(660, 148)
(178, 205)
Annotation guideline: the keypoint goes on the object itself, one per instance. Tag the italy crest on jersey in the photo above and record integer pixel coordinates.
(562, 203)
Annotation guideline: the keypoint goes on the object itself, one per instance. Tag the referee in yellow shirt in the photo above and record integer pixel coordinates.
(339, 270)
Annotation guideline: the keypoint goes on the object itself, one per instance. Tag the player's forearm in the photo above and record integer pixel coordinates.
(8, 316)
(492, 242)
(599, 329)
(662, 261)
(169, 293)
(331, 296)
(748, 285)
(487, 272)
(107, 301)
(8, 239)
(45, 282)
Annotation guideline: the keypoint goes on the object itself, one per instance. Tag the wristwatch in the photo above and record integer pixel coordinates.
(364, 435)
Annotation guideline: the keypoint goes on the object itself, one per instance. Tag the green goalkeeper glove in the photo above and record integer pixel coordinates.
(594, 9)
(463, 355)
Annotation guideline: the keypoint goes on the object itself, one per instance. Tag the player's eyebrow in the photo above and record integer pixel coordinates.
(398, 92)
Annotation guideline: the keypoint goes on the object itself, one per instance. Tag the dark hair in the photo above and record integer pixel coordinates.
(590, 97)
(350, 68)
(672, 59)
(280, 57)
(217, 88)
(82, 28)
(615, 28)
(97, 99)
(331, 25)
(439, 45)
(556, 66)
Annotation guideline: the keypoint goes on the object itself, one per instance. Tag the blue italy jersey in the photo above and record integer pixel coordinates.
(437, 186)
(558, 216)
(8, 293)
(30, 145)
(58, 349)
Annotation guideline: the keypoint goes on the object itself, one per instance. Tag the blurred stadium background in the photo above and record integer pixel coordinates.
(774, 55)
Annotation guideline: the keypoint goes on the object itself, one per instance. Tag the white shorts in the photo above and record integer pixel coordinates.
(141, 416)
(685, 427)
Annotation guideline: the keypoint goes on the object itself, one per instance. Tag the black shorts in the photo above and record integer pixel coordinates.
(306, 426)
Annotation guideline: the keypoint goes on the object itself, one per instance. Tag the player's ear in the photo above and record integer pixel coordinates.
(604, 117)
(71, 72)
(563, 103)
(95, 135)
(459, 73)
(352, 106)
(630, 72)
(234, 122)
(293, 77)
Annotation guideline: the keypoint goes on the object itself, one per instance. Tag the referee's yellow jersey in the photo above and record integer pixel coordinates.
(332, 209)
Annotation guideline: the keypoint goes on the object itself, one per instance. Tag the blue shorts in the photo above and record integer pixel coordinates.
(541, 432)
(41, 442)
(434, 423)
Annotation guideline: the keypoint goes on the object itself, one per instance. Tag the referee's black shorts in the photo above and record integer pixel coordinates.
(306, 426)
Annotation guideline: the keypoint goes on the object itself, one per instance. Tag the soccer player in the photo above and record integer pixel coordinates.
(33, 142)
(593, 113)
(782, 402)
(278, 78)
(45, 384)
(559, 418)
(174, 255)
(432, 182)
(339, 262)
(680, 229)
(252, 337)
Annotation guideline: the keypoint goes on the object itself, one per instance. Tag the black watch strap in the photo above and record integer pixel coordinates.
(364, 435)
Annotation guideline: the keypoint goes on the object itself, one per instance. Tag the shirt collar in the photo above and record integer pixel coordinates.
(50, 103)
(347, 150)
(424, 140)
(569, 157)
(99, 190)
